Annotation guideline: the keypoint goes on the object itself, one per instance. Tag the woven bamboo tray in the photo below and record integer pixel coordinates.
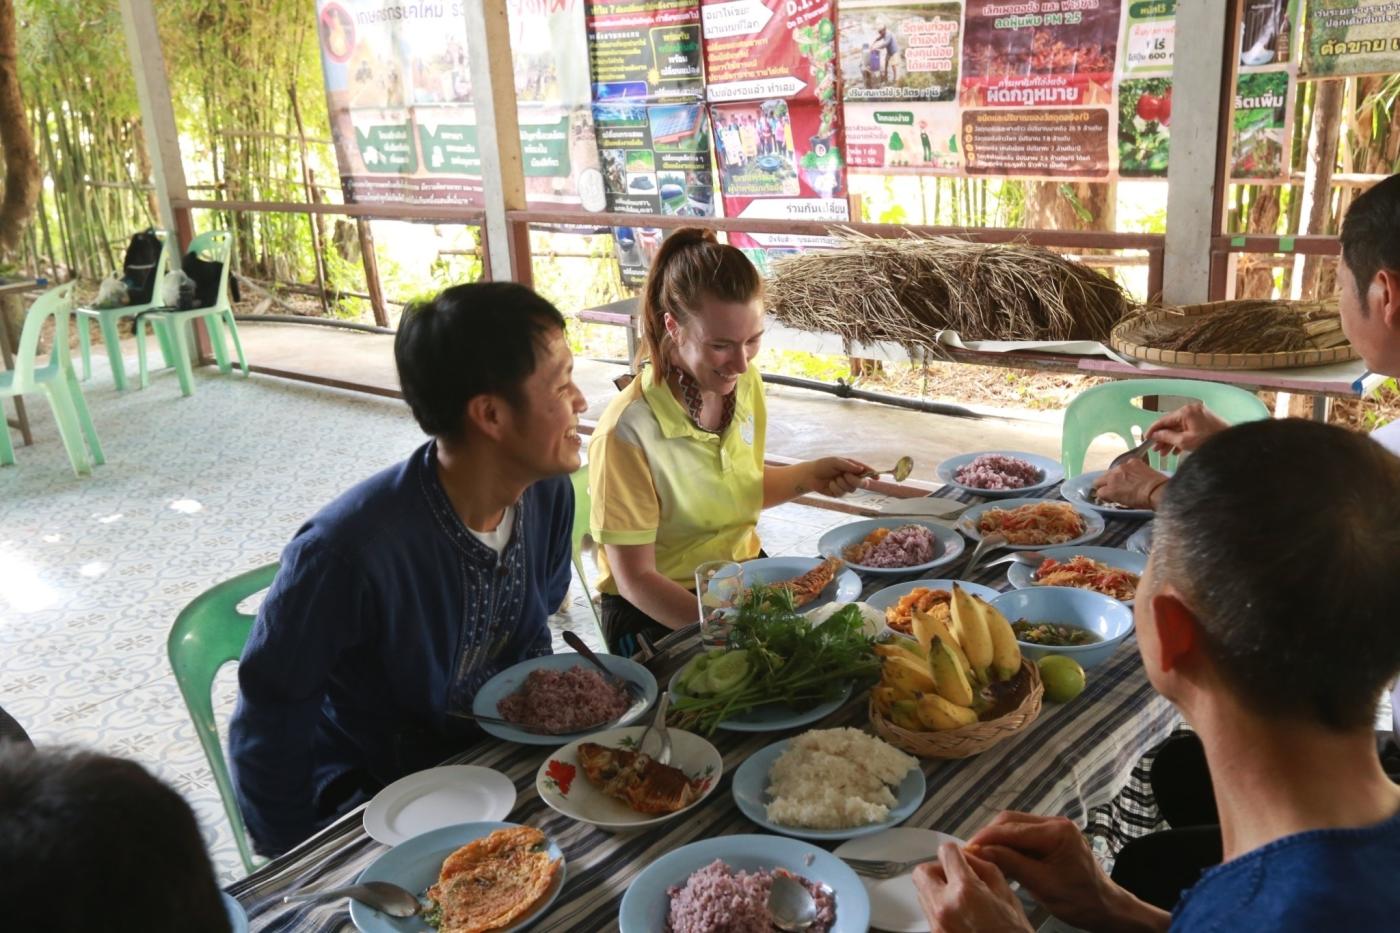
(1135, 336)
(973, 739)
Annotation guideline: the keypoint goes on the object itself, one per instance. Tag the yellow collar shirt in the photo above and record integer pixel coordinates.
(655, 478)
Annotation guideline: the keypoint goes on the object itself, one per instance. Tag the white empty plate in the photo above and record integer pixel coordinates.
(894, 904)
(435, 798)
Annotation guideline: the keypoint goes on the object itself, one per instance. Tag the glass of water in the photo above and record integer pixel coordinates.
(719, 585)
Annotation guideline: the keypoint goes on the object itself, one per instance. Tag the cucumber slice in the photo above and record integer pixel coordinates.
(692, 679)
(727, 671)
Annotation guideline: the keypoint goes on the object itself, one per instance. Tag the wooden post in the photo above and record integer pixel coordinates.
(158, 126)
(497, 134)
(157, 116)
(371, 261)
(1200, 79)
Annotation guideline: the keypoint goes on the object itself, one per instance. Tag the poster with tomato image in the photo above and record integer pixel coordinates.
(1144, 127)
(1041, 55)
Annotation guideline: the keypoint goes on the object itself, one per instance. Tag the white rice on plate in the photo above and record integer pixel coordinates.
(835, 779)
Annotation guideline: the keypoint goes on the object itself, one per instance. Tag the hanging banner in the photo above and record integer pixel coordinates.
(648, 49)
(905, 51)
(902, 138)
(656, 158)
(1149, 38)
(1036, 143)
(398, 88)
(1259, 129)
(769, 49)
(1266, 33)
(1037, 53)
(1351, 37)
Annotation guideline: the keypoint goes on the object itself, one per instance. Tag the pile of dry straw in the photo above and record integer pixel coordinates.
(907, 290)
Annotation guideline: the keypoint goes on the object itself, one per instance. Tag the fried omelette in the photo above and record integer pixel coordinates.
(639, 781)
(491, 882)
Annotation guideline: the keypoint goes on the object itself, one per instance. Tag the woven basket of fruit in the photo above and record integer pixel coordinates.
(1024, 700)
(959, 686)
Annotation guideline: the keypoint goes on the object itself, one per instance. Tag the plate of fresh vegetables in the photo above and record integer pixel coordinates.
(779, 669)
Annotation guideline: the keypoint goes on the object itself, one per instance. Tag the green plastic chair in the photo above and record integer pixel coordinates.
(209, 633)
(582, 508)
(173, 327)
(1112, 408)
(108, 319)
(55, 379)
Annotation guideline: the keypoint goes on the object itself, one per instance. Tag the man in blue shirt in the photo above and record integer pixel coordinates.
(1267, 616)
(398, 600)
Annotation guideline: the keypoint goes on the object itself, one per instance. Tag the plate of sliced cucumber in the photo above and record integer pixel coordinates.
(721, 671)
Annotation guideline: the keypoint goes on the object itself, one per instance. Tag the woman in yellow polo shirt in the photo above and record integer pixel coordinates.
(676, 468)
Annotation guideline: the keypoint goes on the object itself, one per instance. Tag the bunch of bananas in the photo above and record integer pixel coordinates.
(936, 681)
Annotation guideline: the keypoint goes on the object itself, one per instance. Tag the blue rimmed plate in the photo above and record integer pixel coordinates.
(1021, 576)
(509, 680)
(773, 717)
(1079, 491)
(1093, 522)
(750, 789)
(237, 917)
(1050, 473)
(416, 864)
(646, 905)
(890, 595)
(845, 588)
(948, 544)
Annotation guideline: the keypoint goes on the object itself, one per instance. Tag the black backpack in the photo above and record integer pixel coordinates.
(206, 275)
(139, 266)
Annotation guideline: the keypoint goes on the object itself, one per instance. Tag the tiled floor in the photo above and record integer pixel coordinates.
(93, 571)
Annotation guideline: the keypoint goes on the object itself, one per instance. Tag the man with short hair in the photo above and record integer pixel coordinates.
(1267, 616)
(396, 602)
(90, 842)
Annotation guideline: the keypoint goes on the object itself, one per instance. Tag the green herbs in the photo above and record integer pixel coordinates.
(775, 655)
(432, 915)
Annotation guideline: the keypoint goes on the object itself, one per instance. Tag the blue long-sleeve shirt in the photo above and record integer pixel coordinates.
(385, 614)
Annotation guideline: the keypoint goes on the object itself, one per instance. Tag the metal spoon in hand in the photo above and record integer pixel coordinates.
(790, 904)
(380, 895)
(899, 472)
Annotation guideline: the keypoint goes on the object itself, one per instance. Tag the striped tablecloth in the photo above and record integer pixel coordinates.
(1071, 759)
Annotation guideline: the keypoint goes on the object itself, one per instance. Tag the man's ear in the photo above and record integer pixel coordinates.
(1383, 298)
(1176, 630)
(487, 414)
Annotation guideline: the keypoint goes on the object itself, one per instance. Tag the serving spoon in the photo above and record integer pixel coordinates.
(790, 905)
(379, 895)
(983, 546)
(899, 472)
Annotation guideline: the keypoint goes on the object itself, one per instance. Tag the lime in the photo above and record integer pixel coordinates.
(1064, 678)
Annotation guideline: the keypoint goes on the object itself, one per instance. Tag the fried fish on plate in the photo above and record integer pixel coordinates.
(493, 881)
(642, 783)
(809, 586)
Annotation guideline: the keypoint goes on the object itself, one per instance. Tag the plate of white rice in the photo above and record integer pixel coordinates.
(829, 784)
(722, 881)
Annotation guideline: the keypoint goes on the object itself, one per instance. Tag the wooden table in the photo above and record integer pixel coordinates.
(8, 342)
(1073, 758)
